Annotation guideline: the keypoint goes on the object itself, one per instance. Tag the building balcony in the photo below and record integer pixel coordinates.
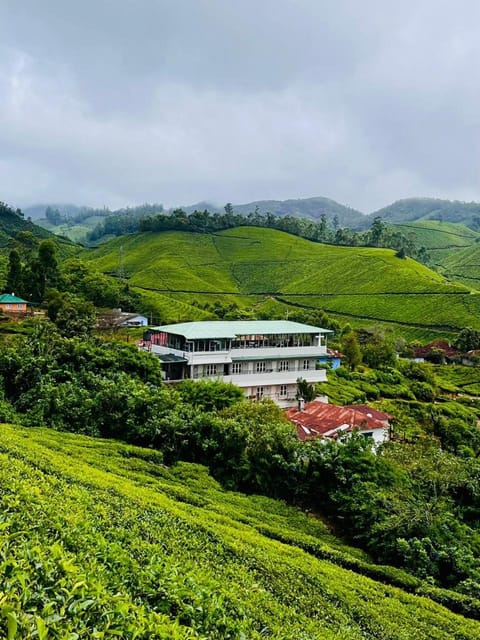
(270, 378)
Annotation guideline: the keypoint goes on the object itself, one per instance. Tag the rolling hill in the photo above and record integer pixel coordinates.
(99, 539)
(414, 209)
(273, 272)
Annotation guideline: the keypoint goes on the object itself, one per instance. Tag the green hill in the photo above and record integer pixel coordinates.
(273, 271)
(412, 209)
(13, 222)
(464, 266)
(440, 238)
(312, 208)
(100, 540)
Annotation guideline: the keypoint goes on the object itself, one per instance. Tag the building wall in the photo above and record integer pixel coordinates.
(19, 307)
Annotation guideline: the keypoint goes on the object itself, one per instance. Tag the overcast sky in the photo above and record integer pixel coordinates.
(120, 102)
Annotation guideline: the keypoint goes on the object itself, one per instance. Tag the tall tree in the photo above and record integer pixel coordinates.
(351, 350)
(15, 273)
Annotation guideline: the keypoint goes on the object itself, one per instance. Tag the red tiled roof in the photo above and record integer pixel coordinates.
(370, 412)
(328, 420)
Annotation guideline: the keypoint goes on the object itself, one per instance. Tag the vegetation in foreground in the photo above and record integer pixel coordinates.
(100, 540)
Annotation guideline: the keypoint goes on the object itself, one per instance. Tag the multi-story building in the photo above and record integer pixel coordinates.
(264, 358)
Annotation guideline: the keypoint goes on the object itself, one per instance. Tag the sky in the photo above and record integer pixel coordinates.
(121, 102)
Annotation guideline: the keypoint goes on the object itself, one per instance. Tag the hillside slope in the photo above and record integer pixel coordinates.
(250, 266)
(411, 209)
(100, 540)
(441, 239)
(464, 266)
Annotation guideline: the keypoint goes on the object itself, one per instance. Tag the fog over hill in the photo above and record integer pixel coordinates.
(405, 210)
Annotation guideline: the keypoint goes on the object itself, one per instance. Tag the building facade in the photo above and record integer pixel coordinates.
(264, 358)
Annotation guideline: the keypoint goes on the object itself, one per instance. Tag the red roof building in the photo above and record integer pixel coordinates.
(323, 420)
(435, 346)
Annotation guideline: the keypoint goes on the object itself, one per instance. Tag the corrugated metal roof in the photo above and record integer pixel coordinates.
(323, 419)
(211, 329)
(8, 298)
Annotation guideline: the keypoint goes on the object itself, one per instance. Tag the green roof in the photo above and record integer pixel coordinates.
(9, 298)
(211, 329)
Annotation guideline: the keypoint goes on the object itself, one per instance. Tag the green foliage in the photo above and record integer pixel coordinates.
(209, 395)
(72, 315)
(468, 339)
(351, 350)
(305, 390)
(100, 540)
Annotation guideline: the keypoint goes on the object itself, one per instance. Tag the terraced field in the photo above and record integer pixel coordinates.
(464, 266)
(99, 540)
(252, 266)
(441, 239)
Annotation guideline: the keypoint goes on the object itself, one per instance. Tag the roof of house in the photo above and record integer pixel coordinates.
(211, 329)
(442, 345)
(10, 298)
(333, 353)
(320, 419)
(370, 412)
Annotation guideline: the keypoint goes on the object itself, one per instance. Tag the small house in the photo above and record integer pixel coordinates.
(12, 304)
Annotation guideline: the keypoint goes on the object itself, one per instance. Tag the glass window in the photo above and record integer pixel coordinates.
(283, 390)
(260, 367)
(259, 392)
(306, 364)
(283, 365)
(211, 370)
(237, 367)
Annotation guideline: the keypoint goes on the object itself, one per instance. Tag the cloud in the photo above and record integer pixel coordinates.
(107, 102)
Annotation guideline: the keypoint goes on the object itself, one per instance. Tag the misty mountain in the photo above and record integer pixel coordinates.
(312, 208)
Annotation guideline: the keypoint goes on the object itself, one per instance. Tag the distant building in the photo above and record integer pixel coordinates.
(11, 304)
(322, 420)
(333, 358)
(116, 318)
(264, 358)
(437, 350)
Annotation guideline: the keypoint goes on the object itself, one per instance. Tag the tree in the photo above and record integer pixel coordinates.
(15, 274)
(351, 350)
(468, 339)
(377, 232)
(305, 390)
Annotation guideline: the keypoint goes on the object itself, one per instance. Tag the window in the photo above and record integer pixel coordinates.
(260, 367)
(237, 367)
(306, 364)
(283, 390)
(211, 370)
(259, 392)
(283, 365)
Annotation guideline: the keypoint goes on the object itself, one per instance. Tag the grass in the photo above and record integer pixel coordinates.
(253, 266)
(99, 540)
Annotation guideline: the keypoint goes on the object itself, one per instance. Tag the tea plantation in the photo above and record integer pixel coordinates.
(181, 272)
(100, 540)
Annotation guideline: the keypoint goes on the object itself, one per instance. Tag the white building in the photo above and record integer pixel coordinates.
(264, 358)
